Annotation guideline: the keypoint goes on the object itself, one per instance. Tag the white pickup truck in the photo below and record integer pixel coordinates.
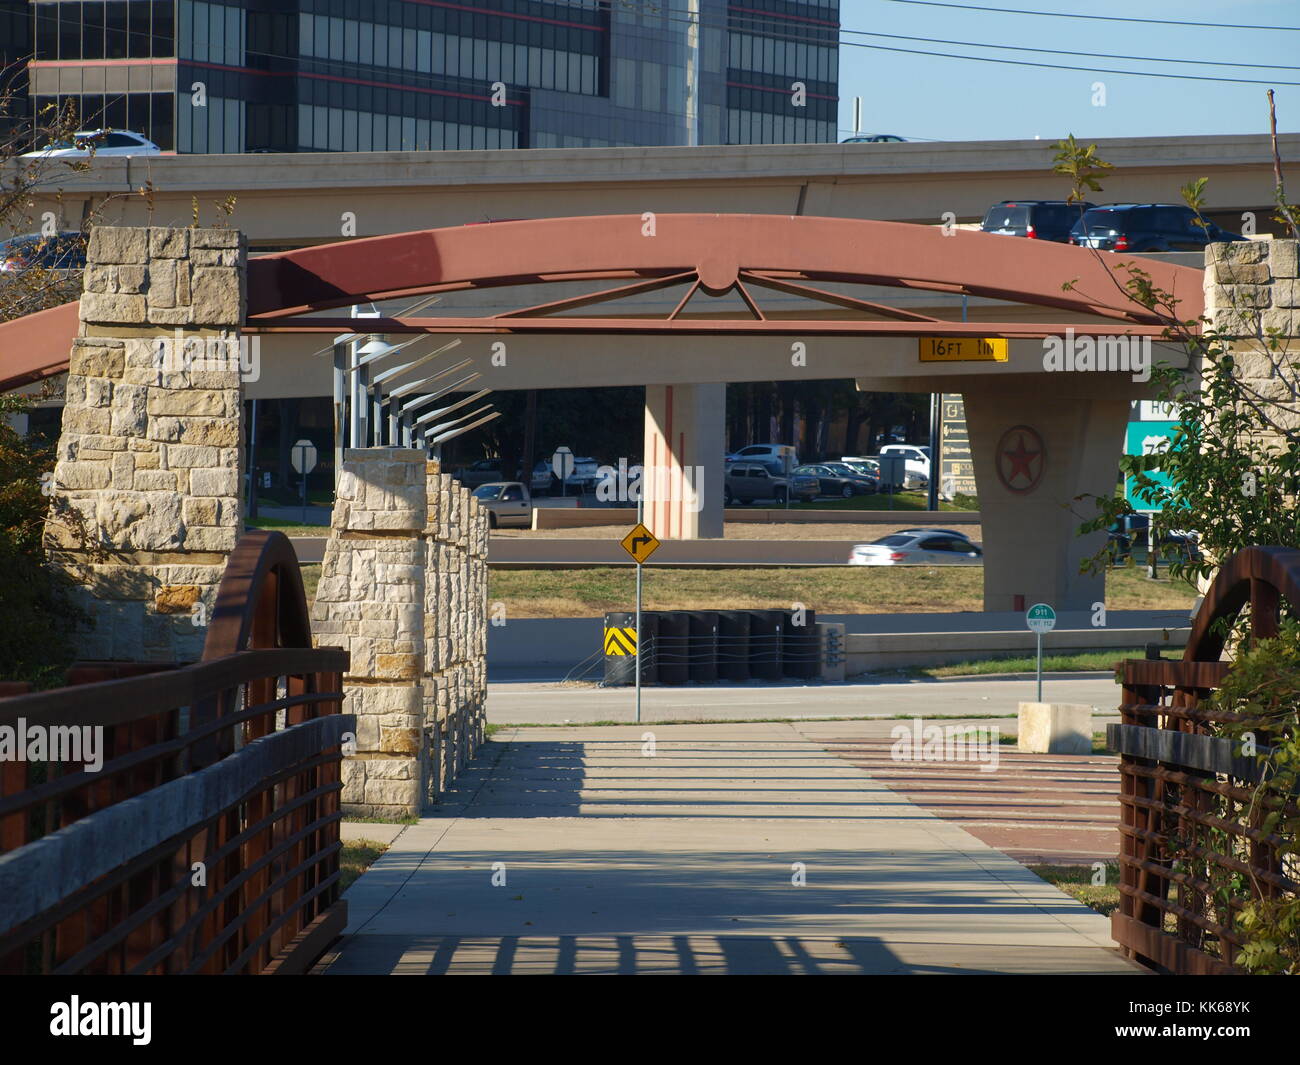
(507, 503)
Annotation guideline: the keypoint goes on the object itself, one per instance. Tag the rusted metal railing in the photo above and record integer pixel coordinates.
(207, 841)
(1193, 852)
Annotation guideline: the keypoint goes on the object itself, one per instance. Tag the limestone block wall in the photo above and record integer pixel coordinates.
(1251, 290)
(405, 593)
(455, 702)
(146, 488)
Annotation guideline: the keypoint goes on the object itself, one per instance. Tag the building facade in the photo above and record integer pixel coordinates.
(15, 51)
(332, 75)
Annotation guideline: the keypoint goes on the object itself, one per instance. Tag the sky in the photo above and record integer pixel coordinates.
(923, 97)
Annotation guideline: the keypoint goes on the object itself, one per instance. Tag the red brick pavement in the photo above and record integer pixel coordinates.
(1036, 808)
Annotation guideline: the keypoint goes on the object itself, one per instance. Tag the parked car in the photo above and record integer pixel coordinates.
(481, 472)
(1146, 227)
(874, 138)
(1035, 219)
(1133, 531)
(748, 482)
(868, 480)
(868, 468)
(926, 547)
(916, 461)
(766, 453)
(507, 503)
(96, 142)
(539, 481)
(63, 251)
(583, 478)
(832, 483)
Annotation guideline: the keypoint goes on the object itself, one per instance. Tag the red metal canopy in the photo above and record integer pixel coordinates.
(703, 255)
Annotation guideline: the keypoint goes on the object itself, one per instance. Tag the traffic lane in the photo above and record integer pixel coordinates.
(525, 703)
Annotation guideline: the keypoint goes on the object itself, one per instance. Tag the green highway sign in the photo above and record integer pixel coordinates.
(1040, 618)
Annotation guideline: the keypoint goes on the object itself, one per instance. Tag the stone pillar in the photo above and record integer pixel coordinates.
(455, 628)
(685, 439)
(370, 600)
(1252, 292)
(1035, 450)
(146, 488)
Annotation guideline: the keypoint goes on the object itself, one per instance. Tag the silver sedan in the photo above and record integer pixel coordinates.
(923, 547)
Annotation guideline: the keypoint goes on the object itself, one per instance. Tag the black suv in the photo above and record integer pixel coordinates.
(1146, 227)
(1035, 219)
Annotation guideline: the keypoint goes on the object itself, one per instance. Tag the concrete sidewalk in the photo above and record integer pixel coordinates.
(619, 861)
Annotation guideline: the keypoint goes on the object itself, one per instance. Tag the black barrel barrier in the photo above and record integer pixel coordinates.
(672, 660)
(703, 666)
(765, 635)
(801, 650)
(621, 648)
(733, 645)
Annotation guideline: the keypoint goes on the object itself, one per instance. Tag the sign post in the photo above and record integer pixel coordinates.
(303, 457)
(640, 543)
(562, 464)
(1040, 618)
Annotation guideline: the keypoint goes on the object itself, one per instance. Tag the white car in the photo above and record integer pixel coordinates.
(916, 458)
(919, 547)
(507, 503)
(96, 142)
(777, 453)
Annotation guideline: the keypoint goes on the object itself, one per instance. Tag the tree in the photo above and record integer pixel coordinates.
(37, 610)
(1233, 466)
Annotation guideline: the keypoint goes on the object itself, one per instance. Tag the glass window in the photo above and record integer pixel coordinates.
(115, 29)
(350, 39)
(234, 36)
(92, 31)
(366, 44)
(306, 35)
(139, 41)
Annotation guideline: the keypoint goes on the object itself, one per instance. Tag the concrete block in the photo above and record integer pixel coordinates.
(1055, 728)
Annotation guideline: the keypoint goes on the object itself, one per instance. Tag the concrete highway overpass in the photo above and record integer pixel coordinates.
(297, 201)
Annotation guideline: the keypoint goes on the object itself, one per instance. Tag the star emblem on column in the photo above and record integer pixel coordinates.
(1021, 457)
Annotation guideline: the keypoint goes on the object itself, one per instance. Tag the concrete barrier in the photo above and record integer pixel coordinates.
(585, 517)
(1054, 728)
(874, 652)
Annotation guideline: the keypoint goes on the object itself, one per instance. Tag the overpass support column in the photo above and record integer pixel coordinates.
(685, 436)
(1035, 449)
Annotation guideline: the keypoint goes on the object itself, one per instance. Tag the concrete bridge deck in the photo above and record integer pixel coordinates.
(618, 862)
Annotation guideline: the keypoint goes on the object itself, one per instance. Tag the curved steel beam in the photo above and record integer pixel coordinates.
(714, 247)
(713, 252)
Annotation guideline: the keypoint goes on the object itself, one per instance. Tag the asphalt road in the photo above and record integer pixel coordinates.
(551, 704)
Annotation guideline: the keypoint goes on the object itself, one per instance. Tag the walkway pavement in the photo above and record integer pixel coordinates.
(616, 860)
(1057, 809)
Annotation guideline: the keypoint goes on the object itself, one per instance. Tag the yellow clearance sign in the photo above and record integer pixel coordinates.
(964, 349)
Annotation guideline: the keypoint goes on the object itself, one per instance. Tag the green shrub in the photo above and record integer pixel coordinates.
(37, 612)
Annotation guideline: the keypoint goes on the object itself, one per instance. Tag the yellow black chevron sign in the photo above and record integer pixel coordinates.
(620, 641)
